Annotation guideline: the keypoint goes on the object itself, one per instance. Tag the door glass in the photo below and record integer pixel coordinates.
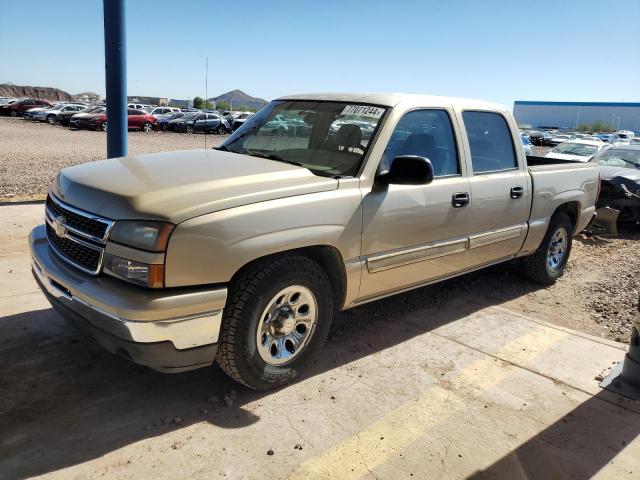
(426, 133)
(490, 142)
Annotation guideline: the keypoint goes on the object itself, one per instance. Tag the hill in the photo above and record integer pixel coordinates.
(50, 93)
(238, 97)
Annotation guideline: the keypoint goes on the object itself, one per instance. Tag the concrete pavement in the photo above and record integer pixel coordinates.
(465, 389)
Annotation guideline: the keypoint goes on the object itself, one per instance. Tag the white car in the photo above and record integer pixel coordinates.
(50, 115)
(559, 138)
(163, 110)
(576, 150)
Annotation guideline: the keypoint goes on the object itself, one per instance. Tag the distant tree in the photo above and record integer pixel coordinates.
(222, 105)
(198, 102)
(598, 126)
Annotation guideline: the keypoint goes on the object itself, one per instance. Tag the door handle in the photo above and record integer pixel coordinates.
(460, 200)
(516, 192)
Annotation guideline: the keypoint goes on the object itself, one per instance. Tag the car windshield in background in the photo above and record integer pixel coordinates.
(618, 157)
(328, 138)
(575, 149)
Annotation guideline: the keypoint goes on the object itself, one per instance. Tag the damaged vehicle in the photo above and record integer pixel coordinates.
(619, 201)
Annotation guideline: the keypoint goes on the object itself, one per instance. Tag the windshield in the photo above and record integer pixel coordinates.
(619, 157)
(329, 138)
(575, 149)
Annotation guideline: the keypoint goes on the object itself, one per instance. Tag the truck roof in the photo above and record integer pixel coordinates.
(394, 99)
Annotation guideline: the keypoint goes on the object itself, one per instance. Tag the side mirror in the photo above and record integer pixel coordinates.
(408, 170)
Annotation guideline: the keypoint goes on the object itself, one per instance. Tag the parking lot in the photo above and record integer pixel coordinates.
(32, 153)
(425, 384)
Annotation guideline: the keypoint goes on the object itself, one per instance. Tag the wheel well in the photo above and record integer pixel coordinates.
(330, 259)
(571, 209)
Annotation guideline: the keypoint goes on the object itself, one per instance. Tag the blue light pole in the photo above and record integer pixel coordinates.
(115, 56)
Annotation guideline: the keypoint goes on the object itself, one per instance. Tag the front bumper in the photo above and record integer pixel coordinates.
(166, 330)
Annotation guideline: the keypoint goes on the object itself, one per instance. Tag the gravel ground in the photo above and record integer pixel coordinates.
(32, 153)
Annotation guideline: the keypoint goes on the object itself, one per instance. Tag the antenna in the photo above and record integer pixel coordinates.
(206, 95)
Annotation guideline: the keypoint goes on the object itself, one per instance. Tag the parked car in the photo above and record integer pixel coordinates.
(199, 122)
(163, 120)
(625, 134)
(136, 120)
(576, 150)
(559, 138)
(136, 106)
(539, 138)
(620, 172)
(8, 100)
(244, 253)
(50, 115)
(239, 120)
(28, 115)
(163, 110)
(16, 109)
(71, 119)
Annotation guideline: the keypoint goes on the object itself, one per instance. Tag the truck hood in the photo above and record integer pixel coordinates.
(565, 156)
(177, 186)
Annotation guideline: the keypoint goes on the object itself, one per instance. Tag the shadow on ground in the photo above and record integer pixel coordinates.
(576, 446)
(65, 401)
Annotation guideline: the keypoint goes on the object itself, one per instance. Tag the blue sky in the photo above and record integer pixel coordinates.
(498, 50)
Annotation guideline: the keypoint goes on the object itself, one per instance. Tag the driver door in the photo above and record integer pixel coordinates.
(416, 233)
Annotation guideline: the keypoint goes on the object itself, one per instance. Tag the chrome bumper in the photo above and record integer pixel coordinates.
(187, 318)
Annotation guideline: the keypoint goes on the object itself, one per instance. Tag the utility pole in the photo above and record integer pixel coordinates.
(115, 56)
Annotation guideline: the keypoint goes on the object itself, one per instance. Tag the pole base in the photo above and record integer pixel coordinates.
(624, 379)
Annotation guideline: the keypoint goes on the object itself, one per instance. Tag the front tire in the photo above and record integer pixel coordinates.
(51, 119)
(276, 320)
(548, 262)
(189, 129)
(147, 127)
(14, 113)
(103, 126)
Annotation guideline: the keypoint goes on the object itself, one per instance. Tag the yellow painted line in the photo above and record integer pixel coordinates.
(361, 453)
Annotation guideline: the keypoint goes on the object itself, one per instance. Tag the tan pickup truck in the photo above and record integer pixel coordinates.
(318, 203)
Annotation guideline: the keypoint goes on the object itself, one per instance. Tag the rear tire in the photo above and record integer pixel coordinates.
(548, 262)
(253, 348)
(189, 129)
(103, 126)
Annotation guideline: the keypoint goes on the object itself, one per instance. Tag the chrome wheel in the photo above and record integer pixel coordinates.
(557, 249)
(287, 325)
(103, 127)
(147, 127)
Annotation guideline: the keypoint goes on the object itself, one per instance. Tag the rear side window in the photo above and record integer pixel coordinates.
(426, 133)
(490, 142)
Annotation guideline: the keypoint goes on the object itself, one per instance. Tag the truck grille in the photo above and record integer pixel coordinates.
(76, 236)
(83, 223)
(79, 255)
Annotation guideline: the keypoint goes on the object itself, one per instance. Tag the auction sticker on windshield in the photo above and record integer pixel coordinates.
(363, 110)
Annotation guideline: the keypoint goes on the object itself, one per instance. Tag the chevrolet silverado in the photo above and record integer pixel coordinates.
(243, 253)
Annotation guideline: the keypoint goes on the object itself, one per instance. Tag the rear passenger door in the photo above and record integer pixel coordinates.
(500, 188)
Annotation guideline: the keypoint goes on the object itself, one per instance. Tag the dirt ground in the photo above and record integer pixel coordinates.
(31, 153)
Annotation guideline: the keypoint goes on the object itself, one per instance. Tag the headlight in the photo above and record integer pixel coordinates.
(143, 234)
(143, 274)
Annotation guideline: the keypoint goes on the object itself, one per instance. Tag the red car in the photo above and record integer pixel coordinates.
(18, 108)
(136, 120)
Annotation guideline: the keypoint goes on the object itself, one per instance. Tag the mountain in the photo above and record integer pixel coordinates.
(49, 93)
(237, 98)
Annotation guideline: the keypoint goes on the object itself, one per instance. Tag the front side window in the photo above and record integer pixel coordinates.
(328, 138)
(490, 142)
(426, 133)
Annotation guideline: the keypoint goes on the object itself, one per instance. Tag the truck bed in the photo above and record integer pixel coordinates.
(533, 160)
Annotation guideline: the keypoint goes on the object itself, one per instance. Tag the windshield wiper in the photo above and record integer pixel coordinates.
(278, 158)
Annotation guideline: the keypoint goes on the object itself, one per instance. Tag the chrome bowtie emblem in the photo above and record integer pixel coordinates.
(58, 226)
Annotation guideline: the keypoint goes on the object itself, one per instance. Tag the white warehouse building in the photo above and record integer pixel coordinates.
(568, 115)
